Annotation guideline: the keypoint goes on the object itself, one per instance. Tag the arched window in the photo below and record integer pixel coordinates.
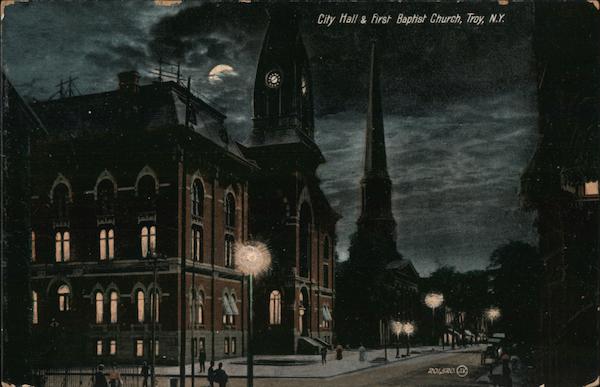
(197, 243)
(326, 249)
(198, 198)
(62, 246)
(139, 305)
(107, 244)
(200, 308)
(326, 275)
(229, 211)
(229, 242)
(229, 309)
(33, 255)
(34, 307)
(146, 189)
(99, 308)
(148, 240)
(114, 306)
(275, 308)
(106, 196)
(64, 298)
(60, 198)
(305, 239)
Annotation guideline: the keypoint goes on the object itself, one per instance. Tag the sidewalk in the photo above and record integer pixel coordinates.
(309, 366)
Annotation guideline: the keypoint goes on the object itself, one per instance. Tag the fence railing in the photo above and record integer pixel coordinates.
(84, 377)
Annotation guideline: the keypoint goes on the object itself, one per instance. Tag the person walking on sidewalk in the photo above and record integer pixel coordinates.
(338, 352)
(506, 378)
(210, 375)
(145, 372)
(362, 353)
(202, 359)
(99, 378)
(221, 376)
(323, 355)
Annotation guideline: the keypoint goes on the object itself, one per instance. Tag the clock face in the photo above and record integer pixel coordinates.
(273, 79)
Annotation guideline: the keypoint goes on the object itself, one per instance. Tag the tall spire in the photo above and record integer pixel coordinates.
(376, 186)
(375, 157)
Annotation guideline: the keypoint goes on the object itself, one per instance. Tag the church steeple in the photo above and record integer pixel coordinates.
(283, 101)
(376, 186)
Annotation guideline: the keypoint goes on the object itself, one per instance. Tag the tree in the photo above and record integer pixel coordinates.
(515, 270)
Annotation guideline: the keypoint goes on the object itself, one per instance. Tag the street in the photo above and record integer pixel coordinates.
(429, 370)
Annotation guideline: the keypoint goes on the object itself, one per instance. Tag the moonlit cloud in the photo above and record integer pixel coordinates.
(459, 102)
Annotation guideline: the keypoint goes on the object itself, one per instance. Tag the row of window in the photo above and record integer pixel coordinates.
(147, 244)
(111, 347)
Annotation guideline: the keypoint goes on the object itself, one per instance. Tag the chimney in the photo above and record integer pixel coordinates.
(129, 81)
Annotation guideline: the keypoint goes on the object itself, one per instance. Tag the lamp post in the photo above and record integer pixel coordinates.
(252, 259)
(409, 329)
(153, 301)
(397, 328)
(433, 301)
(492, 314)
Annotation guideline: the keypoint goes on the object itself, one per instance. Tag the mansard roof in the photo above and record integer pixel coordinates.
(150, 108)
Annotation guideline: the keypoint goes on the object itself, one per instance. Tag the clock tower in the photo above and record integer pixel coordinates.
(283, 101)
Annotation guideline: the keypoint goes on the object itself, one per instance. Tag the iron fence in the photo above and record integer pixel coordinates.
(84, 377)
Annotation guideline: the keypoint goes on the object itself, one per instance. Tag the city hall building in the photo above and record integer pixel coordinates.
(139, 197)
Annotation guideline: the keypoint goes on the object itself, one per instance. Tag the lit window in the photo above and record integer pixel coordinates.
(34, 299)
(234, 309)
(33, 246)
(228, 310)
(139, 348)
(226, 349)
(200, 308)
(140, 305)
(197, 243)
(198, 199)
(152, 244)
(62, 248)
(144, 241)
(107, 244)
(326, 316)
(229, 242)
(98, 347)
(113, 347)
(99, 307)
(64, 294)
(230, 211)
(156, 347)
(114, 305)
(591, 188)
(155, 301)
(233, 345)
(275, 308)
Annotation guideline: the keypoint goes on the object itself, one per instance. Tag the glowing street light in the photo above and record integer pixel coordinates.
(397, 328)
(252, 259)
(492, 314)
(434, 301)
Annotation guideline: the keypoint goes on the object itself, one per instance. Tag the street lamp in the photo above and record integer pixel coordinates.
(492, 314)
(433, 301)
(252, 259)
(397, 328)
(409, 329)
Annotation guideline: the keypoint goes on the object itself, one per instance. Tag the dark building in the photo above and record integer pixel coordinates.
(294, 302)
(390, 282)
(561, 185)
(139, 196)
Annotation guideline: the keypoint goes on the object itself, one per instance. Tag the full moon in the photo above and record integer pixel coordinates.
(219, 72)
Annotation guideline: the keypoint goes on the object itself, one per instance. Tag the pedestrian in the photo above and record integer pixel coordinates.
(323, 354)
(338, 352)
(99, 378)
(506, 378)
(202, 359)
(362, 353)
(210, 375)
(221, 376)
(114, 378)
(145, 374)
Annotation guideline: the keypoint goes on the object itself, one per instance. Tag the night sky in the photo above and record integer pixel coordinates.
(459, 100)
